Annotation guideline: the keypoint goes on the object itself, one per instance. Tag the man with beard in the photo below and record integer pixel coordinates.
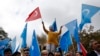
(95, 48)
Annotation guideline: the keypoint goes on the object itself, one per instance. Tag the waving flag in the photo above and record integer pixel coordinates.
(34, 15)
(23, 36)
(83, 49)
(88, 11)
(13, 45)
(18, 47)
(65, 41)
(73, 29)
(34, 49)
(3, 45)
(54, 26)
(4, 42)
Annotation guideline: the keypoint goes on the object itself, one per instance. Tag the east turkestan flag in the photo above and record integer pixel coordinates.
(88, 11)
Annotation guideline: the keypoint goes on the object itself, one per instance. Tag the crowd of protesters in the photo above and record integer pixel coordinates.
(95, 46)
(52, 48)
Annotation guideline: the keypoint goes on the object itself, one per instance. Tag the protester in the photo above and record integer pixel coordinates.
(57, 54)
(25, 52)
(52, 41)
(7, 52)
(79, 54)
(95, 47)
(44, 53)
(67, 54)
(17, 54)
(50, 54)
(98, 49)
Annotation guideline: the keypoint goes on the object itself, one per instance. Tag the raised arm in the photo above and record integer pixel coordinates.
(60, 30)
(46, 31)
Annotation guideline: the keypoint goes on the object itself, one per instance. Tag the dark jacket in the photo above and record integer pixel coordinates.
(92, 53)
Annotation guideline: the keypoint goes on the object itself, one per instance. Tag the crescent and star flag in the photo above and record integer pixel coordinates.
(54, 26)
(88, 11)
(65, 41)
(73, 29)
(13, 44)
(34, 15)
(23, 36)
(34, 48)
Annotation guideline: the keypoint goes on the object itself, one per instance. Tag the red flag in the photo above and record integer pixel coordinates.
(83, 49)
(34, 15)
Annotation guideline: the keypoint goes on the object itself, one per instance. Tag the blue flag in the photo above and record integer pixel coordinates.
(3, 45)
(34, 49)
(13, 45)
(73, 29)
(23, 36)
(18, 47)
(54, 26)
(4, 42)
(78, 47)
(65, 41)
(88, 11)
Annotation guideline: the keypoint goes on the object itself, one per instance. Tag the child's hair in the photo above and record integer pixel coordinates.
(7, 50)
(16, 53)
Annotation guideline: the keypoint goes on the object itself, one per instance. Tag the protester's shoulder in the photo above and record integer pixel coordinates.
(91, 53)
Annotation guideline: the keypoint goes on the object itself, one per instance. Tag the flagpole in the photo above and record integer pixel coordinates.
(73, 46)
(41, 19)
